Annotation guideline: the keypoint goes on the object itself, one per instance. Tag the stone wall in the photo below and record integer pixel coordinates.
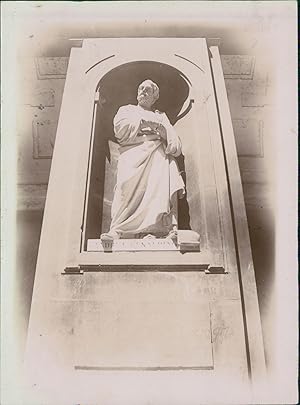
(250, 88)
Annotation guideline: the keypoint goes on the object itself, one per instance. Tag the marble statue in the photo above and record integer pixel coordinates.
(148, 180)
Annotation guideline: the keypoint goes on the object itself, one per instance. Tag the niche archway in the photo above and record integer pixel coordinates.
(119, 87)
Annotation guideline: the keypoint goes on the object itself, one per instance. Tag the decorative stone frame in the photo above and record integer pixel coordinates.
(84, 73)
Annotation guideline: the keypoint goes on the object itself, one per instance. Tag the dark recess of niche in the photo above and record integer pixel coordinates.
(119, 87)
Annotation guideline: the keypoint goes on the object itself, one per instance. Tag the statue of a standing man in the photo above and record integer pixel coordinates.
(148, 179)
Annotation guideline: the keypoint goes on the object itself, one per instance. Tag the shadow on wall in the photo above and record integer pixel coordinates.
(262, 237)
(29, 224)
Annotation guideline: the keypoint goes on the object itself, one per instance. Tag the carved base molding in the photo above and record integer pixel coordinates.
(51, 67)
(147, 244)
(31, 196)
(207, 268)
(238, 66)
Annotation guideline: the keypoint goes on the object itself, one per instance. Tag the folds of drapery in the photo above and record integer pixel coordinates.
(147, 177)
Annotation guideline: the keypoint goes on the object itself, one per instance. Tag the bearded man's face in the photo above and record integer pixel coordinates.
(145, 95)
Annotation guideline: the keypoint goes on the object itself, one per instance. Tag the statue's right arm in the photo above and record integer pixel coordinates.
(126, 124)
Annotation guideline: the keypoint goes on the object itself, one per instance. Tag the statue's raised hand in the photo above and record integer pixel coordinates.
(154, 128)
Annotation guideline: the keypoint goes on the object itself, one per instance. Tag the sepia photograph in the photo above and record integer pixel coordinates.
(149, 203)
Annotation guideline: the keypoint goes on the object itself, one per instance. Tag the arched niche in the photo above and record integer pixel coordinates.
(116, 88)
(196, 123)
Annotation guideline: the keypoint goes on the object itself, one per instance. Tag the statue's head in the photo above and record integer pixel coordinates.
(148, 93)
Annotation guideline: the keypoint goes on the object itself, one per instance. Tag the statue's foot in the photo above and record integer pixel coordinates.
(172, 235)
(109, 236)
(149, 236)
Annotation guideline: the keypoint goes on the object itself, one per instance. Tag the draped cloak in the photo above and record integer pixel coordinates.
(148, 179)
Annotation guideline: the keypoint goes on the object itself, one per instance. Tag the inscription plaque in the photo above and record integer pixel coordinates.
(131, 245)
(142, 321)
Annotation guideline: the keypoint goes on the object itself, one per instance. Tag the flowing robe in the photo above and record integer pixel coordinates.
(148, 179)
